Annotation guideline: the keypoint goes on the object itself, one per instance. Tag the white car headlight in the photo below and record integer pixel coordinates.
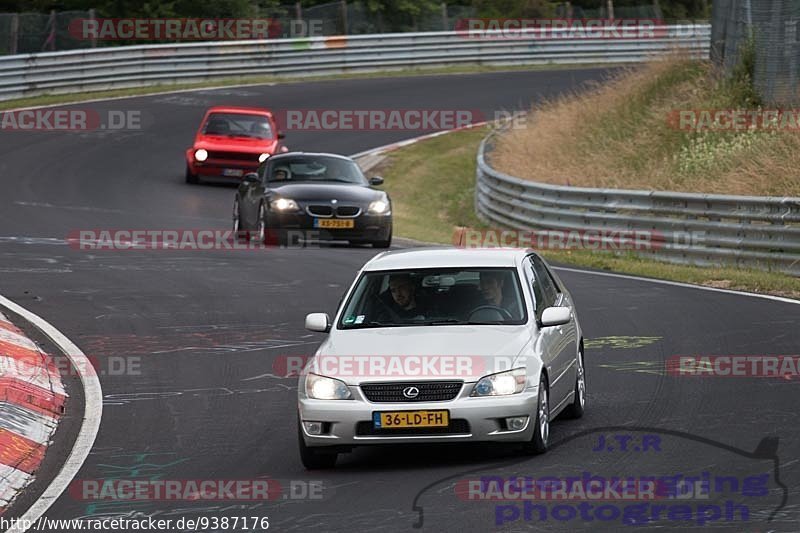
(324, 388)
(201, 155)
(379, 207)
(501, 384)
(284, 204)
(263, 157)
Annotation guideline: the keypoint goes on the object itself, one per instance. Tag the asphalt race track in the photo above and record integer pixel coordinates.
(206, 327)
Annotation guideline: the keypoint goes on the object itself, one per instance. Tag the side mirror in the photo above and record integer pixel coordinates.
(281, 135)
(320, 322)
(376, 180)
(251, 177)
(556, 316)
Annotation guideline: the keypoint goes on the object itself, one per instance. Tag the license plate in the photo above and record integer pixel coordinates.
(333, 223)
(411, 419)
(233, 172)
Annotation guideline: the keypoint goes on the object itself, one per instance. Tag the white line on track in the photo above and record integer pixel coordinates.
(93, 412)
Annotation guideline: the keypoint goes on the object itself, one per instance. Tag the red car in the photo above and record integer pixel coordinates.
(231, 142)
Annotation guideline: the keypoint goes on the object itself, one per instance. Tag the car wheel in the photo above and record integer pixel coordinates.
(314, 458)
(541, 429)
(191, 178)
(260, 234)
(238, 232)
(578, 405)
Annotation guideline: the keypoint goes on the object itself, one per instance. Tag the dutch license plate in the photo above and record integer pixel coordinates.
(333, 223)
(411, 419)
(233, 172)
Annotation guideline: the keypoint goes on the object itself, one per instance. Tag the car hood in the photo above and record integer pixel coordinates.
(236, 144)
(311, 191)
(450, 352)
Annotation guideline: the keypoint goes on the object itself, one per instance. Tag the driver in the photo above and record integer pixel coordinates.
(280, 174)
(404, 302)
(491, 287)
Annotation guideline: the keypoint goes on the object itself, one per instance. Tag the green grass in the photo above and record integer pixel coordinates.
(51, 99)
(432, 184)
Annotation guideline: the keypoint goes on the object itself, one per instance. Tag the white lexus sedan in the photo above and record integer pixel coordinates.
(443, 345)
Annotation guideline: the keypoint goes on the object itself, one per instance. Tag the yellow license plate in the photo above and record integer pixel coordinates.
(411, 419)
(334, 223)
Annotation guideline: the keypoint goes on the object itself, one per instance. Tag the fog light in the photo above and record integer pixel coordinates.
(515, 423)
(313, 428)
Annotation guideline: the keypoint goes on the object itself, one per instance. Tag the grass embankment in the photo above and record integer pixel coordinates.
(432, 184)
(618, 135)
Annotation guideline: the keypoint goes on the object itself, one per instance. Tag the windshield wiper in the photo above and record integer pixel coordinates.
(444, 321)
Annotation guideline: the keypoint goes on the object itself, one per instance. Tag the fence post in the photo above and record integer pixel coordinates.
(444, 18)
(14, 44)
(298, 11)
(93, 17)
(344, 18)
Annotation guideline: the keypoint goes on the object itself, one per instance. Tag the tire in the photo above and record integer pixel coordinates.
(191, 179)
(541, 429)
(260, 233)
(238, 232)
(383, 244)
(314, 458)
(578, 405)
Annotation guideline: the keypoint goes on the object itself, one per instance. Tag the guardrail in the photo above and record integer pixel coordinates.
(700, 229)
(137, 66)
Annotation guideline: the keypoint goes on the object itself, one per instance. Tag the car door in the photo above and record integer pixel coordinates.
(558, 340)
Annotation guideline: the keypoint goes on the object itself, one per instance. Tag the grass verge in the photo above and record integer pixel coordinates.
(627, 134)
(53, 99)
(432, 184)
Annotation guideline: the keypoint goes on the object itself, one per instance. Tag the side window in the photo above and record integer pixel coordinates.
(538, 294)
(545, 284)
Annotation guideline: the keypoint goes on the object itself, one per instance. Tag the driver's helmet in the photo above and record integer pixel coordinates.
(287, 174)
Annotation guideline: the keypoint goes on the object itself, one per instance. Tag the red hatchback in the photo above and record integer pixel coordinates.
(231, 142)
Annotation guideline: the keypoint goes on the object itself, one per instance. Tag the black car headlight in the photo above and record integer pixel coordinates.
(379, 207)
(284, 204)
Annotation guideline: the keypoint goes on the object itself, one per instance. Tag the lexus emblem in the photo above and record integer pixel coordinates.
(334, 201)
(411, 392)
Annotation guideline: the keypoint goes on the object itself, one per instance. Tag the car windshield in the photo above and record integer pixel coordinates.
(314, 168)
(435, 297)
(238, 125)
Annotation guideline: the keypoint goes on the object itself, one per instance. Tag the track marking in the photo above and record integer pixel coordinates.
(680, 284)
(93, 412)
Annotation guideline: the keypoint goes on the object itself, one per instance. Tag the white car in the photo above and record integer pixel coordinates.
(443, 345)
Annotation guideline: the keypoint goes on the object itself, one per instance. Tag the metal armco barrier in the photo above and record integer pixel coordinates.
(138, 66)
(699, 229)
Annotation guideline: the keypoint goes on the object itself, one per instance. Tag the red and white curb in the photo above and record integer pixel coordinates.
(32, 401)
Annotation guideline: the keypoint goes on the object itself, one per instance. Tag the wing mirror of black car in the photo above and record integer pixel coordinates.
(251, 177)
(281, 135)
(376, 180)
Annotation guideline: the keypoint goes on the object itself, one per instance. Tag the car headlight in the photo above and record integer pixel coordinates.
(263, 157)
(379, 207)
(284, 204)
(201, 155)
(501, 384)
(324, 388)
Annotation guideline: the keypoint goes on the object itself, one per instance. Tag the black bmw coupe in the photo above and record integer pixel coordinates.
(312, 197)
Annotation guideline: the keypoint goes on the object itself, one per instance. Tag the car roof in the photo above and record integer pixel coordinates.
(444, 257)
(321, 154)
(234, 109)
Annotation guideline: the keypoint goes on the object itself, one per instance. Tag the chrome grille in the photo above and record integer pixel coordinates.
(430, 391)
(233, 156)
(348, 211)
(320, 210)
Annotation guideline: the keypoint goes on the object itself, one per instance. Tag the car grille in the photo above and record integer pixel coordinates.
(344, 211)
(348, 211)
(320, 210)
(457, 426)
(233, 156)
(431, 391)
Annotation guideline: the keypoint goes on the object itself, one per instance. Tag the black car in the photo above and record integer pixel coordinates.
(314, 197)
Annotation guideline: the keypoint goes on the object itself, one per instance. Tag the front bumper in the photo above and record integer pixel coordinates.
(366, 228)
(345, 420)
